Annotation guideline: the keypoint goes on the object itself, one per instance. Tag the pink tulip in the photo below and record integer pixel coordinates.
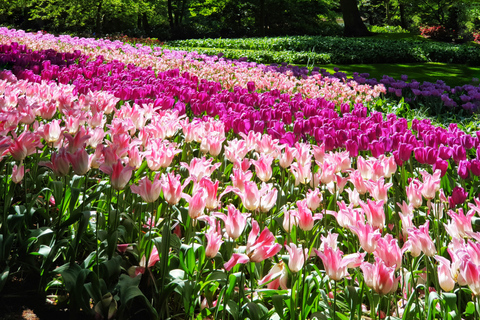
(196, 203)
(302, 173)
(353, 197)
(18, 173)
(431, 184)
(148, 190)
(214, 241)
(236, 149)
(358, 181)
(419, 240)
(287, 157)
(259, 247)
(367, 236)
(336, 265)
(235, 221)
(251, 197)
(277, 277)
(24, 145)
(319, 152)
(406, 216)
(379, 190)
(198, 168)
(346, 215)
(119, 175)
(264, 167)
(239, 177)
(445, 278)
(374, 212)
(269, 198)
(59, 163)
(379, 277)
(289, 219)
(471, 273)
(314, 199)
(211, 189)
(305, 217)
(389, 251)
(461, 224)
(51, 131)
(303, 155)
(414, 193)
(173, 188)
(297, 257)
(79, 161)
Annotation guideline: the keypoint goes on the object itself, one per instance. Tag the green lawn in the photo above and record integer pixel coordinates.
(452, 74)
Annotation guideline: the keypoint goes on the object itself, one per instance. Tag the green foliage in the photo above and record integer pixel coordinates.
(337, 50)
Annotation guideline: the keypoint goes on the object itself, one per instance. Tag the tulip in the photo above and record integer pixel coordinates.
(431, 184)
(79, 161)
(419, 240)
(374, 212)
(235, 221)
(214, 241)
(305, 218)
(172, 188)
(297, 257)
(336, 265)
(389, 251)
(379, 277)
(148, 190)
(277, 276)
(18, 173)
(264, 167)
(119, 175)
(367, 236)
(259, 247)
(445, 278)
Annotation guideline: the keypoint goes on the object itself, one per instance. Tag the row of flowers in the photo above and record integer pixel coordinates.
(204, 186)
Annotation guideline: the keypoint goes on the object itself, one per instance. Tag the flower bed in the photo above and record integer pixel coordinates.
(199, 198)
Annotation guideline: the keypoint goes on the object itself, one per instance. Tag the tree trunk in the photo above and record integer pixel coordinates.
(262, 18)
(403, 20)
(170, 13)
(98, 19)
(354, 26)
(387, 11)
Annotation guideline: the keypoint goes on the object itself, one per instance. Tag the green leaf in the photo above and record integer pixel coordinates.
(129, 291)
(232, 308)
(4, 277)
(279, 305)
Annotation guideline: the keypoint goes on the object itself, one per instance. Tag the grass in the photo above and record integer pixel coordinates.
(452, 74)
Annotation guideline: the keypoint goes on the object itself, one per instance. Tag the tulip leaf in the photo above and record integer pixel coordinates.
(232, 308)
(278, 303)
(450, 300)
(4, 277)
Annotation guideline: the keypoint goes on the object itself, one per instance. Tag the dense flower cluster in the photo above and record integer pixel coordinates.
(216, 190)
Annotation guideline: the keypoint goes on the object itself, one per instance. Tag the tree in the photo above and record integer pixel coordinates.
(354, 26)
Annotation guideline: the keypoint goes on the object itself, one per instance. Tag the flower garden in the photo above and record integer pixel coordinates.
(145, 182)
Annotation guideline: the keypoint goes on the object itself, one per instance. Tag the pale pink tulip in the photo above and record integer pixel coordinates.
(287, 157)
(259, 247)
(214, 241)
(79, 161)
(148, 190)
(374, 212)
(379, 277)
(305, 217)
(445, 278)
(119, 175)
(297, 257)
(414, 193)
(461, 224)
(358, 181)
(173, 188)
(269, 198)
(419, 240)
(18, 173)
(389, 251)
(276, 277)
(196, 203)
(336, 265)
(314, 199)
(235, 221)
(367, 236)
(431, 184)
(289, 219)
(263, 167)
